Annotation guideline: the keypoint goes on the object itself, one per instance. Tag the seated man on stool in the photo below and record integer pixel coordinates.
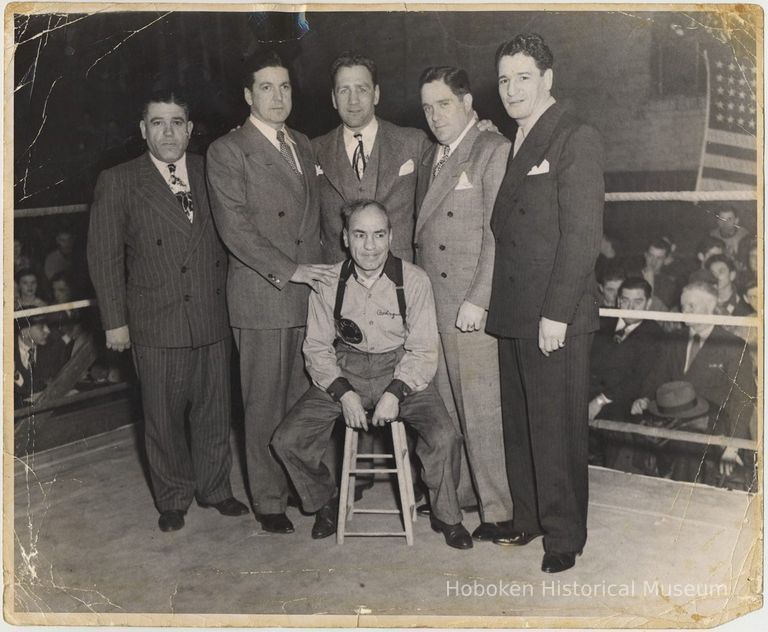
(372, 343)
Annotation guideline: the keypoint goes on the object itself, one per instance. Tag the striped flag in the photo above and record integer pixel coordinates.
(729, 154)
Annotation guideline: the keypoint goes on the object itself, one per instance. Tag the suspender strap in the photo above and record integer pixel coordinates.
(346, 272)
(394, 265)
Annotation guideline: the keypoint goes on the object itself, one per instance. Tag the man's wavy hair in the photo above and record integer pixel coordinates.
(531, 44)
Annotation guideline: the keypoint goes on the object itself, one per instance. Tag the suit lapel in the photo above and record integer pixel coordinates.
(389, 162)
(156, 190)
(531, 153)
(447, 178)
(330, 157)
(199, 199)
(272, 160)
(307, 162)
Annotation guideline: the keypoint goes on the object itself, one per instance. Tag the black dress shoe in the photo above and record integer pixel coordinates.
(171, 520)
(424, 510)
(325, 520)
(227, 507)
(455, 535)
(487, 532)
(361, 487)
(514, 538)
(275, 523)
(557, 562)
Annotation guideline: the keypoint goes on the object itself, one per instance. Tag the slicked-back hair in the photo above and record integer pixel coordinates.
(720, 259)
(350, 208)
(168, 95)
(531, 44)
(637, 283)
(455, 78)
(612, 272)
(709, 242)
(660, 244)
(267, 58)
(348, 59)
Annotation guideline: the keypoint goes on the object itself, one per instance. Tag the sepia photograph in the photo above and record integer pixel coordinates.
(383, 316)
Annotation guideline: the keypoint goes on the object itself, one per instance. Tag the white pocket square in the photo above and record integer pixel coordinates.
(319, 170)
(463, 183)
(537, 170)
(406, 168)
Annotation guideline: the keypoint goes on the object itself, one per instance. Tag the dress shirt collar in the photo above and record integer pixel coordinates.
(621, 325)
(181, 168)
(535, 116)
(270, 132)
(455, 144)
(703, 335)
(369, 137)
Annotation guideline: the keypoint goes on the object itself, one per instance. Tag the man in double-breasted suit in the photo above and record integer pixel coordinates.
(459, 178)
(547, 222)
(264, 200)
(150, 218)
(365, 157)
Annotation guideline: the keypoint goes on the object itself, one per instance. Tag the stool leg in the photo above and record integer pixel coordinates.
(397, 442)
(408, 473)
(350, 443)
(353, 466)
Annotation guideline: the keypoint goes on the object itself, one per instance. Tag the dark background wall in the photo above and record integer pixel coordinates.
(637, 77)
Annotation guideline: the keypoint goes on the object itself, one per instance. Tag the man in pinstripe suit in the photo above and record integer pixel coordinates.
(151, 218)
(264, 199)
(547, 222)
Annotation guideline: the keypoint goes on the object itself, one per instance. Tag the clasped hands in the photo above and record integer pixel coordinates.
(386, 411)
(551, 335)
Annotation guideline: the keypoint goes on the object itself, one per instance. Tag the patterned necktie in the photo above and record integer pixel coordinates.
(183, 195)
(358, 158)
(32, 357)
(286, 151)
(618, 337)
(695, 348)
(442, 161)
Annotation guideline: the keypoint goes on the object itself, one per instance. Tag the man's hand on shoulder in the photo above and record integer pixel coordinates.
(118, 339)
(639, 406)
(354, 413)
(470, 317)
(311, 273)
(551, 335)
(387, 409)
(487, 125)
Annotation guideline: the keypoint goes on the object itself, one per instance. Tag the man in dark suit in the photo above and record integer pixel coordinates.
(264, 199)
(719, 366)
(150, 218)
(459, 178)
(547, 222)
(365, 157)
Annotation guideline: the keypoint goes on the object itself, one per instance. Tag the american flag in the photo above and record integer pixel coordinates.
(729, 154)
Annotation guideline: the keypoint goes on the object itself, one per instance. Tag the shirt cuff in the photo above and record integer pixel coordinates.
(399, 389)
(338, 388)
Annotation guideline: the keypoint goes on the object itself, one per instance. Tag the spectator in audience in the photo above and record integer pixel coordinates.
(708, 247)
(623, 352)
(729, 301)
(608, 257)
(746, 276)
(61, 259)
(729, 231)
(20, 260)
(663, 286)
(27, 282)
(609, 283)
(752, 297)
(718, 366)
(31, 334)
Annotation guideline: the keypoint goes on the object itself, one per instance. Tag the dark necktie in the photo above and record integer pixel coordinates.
(184, 196)
(442, 161)
(695, 348)
(32, 358)
(358, 158)
(286, 151)
(618, 337)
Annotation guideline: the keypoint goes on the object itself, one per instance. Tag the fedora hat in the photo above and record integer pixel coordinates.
(678, 400)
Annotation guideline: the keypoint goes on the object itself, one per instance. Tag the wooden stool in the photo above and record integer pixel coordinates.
(402, 470)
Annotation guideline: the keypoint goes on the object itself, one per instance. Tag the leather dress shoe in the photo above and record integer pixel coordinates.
(557, 562)
(275, 523)
(455, 535)
(362, 486)
(487, 532)
(325, 519)
(171, 520)
(424, 510)
(227, 507)
(514, 538)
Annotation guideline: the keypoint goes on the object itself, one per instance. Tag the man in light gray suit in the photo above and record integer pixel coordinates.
(264, 201)
(365, 158)
(458, 182)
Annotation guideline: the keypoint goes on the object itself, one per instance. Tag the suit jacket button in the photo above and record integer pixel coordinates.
(217, 263)
(450, 213)
(299, 242)
(415, 246)
(271, 277)
(441, 247)
(183, 269)
(281, 214)
(522, 211)
(444, 275)
(218, 290)
(187, 297)
(159, 242)
(514, 244)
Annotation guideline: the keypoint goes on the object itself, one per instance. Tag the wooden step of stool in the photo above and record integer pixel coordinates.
(402, 471)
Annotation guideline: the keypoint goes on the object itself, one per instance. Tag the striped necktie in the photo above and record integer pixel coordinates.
(358, 158)
(442, 161)
(286, 151)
